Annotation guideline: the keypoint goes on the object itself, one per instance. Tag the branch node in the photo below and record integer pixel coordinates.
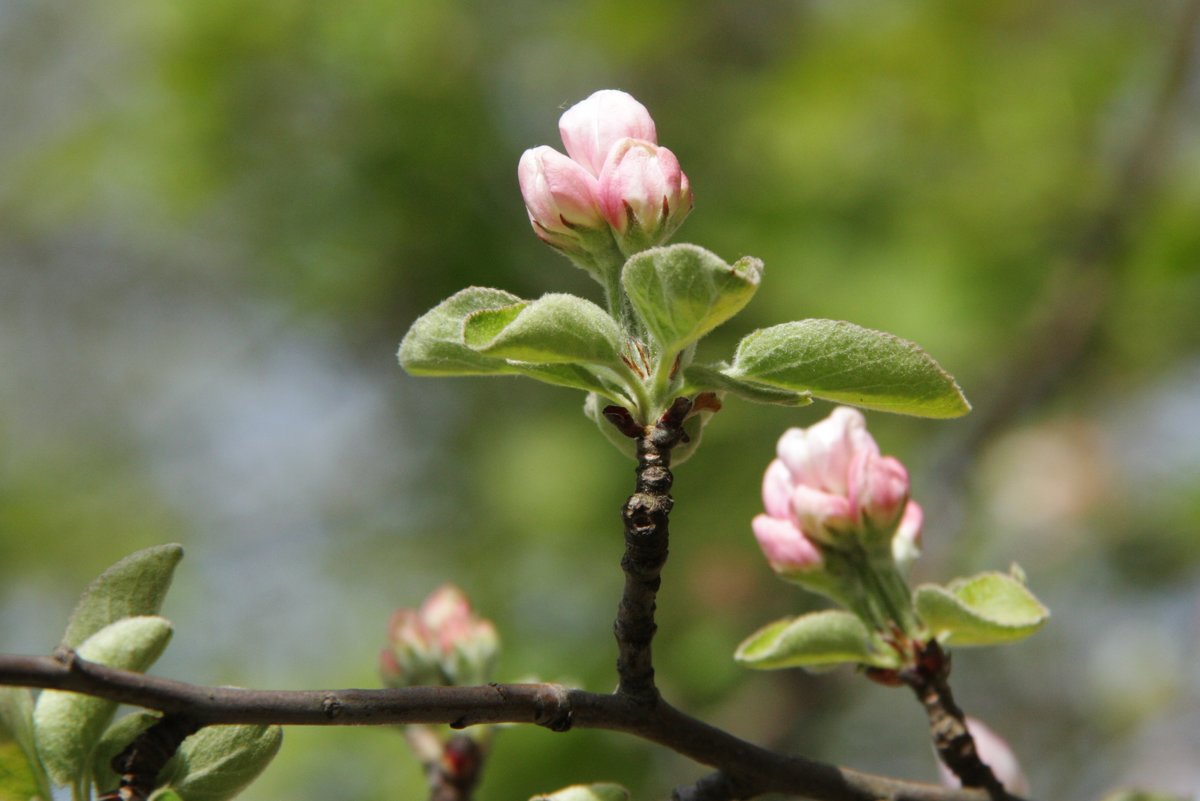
(331, 706)
(553, 709)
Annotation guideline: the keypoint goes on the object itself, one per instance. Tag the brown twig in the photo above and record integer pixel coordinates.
(753, 769)
(929, 680)
(646, 515)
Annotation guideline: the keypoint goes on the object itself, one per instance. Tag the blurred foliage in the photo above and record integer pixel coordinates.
(218, 219)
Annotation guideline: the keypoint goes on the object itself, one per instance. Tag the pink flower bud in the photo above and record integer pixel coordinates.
(831, 483)
(906, 542)
(820, 455)
(643, 194)
(787, 550)
(878, 490)
(560, 196)
(997, 755)
(822, 516)
(442, 642)
(591, 127)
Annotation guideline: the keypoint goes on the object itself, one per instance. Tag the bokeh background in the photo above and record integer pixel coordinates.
(218, 219)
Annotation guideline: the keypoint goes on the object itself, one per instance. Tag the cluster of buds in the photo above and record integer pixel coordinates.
(441, 643)
(614, 183)
(835, 507)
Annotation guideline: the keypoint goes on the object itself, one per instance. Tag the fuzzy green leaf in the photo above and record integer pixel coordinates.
(218, 762)
(700, 377)
(553, 329)
(818, 639)
(574, 376)
(843, 362)
(134, 586)
(986, 609)
(434, 344)
(67, 725)
(587, 792)
(21, 774)
(681, 292)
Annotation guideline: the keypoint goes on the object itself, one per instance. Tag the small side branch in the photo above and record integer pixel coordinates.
(955, 746)
(645, 515)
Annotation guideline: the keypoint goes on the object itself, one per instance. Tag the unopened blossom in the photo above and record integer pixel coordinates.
(644, 194)
(906, 542)
(828, 484)
(442, 642)
(560, 198)
(839, 483)
(996, 754)
(591, 127)
(615, 193)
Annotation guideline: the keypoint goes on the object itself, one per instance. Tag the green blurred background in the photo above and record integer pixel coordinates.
(218, 219)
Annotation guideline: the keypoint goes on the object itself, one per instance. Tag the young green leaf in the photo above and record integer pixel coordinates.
(67, 725)
(134, 586)
(22, 777)
(700, 377)
(434, 344)
(217, 762)
(843, 362)
(555, 328)
(681, 292)
(587, 792)
(986, 609)
(818, 639)
(574, 376)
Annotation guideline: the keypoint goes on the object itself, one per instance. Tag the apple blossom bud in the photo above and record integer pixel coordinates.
(788, 551)
(442, 642)
(878, 491)
(906, 542)
(591, 127)
(996, 754)
(824, 517)
(560, 198)
(643, 194)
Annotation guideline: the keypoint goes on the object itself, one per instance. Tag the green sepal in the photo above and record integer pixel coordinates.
(603, 791)
(218, 762)
(22, 776)
(681, 292)
(132, 587)
(68, 725)
(846, 363)
(434, 344)
(117, 738)
(1141, 795)
(986, 609)
(553, 329)
(701, 377)
(815, 640)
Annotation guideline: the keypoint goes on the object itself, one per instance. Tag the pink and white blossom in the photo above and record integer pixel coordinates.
(643, 192)
(591, 127)
(828, 483)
